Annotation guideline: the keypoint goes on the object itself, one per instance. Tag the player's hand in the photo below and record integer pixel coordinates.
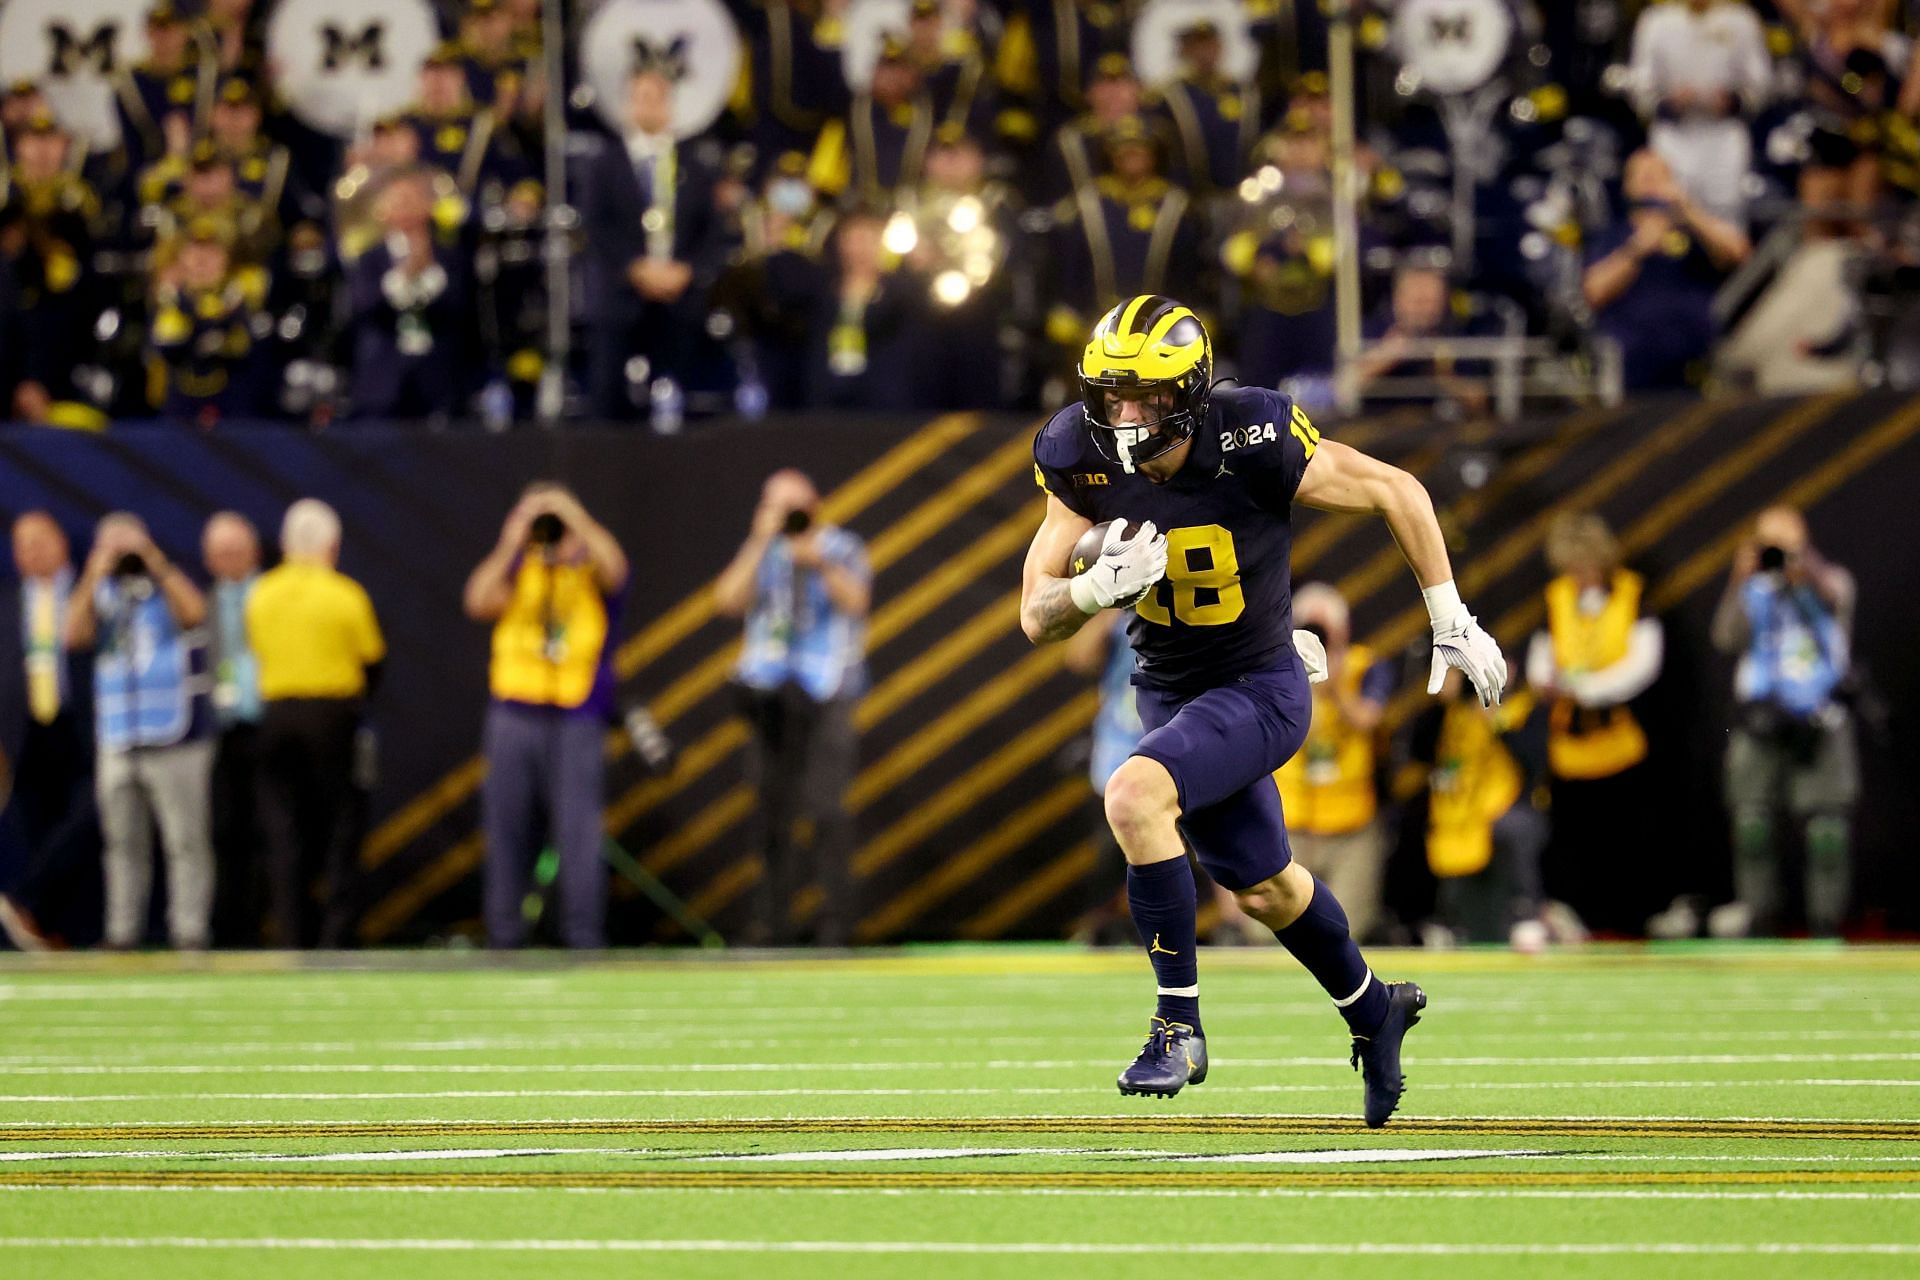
(1313, 655)
(1125, 572)
(1459, 642)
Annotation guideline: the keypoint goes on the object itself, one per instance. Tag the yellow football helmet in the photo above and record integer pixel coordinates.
(1148, 349)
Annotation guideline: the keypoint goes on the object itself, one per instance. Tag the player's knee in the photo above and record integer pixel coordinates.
(1278, 900)
(1140, 797)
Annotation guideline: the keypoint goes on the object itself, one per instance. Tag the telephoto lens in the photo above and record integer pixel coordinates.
(1772, 559)
(546, 529)
(798, 522)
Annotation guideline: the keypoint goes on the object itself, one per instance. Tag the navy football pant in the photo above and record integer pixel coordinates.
(1221, 747)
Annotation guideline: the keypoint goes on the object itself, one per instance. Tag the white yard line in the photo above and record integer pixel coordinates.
(1156, 1193)
(1158, 1249)
(1011, 1091)
(615, 1040)
(1120, 1120)
(991, 1064)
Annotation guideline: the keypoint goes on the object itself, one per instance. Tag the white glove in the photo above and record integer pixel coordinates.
(1459, 642)
(1126, 570)
(1313, 655)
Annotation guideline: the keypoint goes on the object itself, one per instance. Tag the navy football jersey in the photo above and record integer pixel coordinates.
(1225, 607)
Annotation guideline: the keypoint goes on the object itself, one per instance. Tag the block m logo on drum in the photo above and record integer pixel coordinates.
(69, 54)
(340, 47)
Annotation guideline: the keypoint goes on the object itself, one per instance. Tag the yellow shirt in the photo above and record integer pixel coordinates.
(1327, 787)
(313, 633)
(547, 645)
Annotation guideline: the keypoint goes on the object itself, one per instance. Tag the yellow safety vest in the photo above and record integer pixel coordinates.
(1327, 789)
(1475, 780)
(1592, 742)
(547, 645)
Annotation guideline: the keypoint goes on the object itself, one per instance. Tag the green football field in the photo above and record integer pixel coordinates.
(951, 1112)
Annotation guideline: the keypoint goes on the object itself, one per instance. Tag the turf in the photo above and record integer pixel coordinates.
(1700, 1112)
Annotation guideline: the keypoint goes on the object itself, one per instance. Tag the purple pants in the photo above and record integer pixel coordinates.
(544, 771)
(1222, 746)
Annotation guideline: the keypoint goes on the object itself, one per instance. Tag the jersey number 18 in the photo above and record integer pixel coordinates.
(1203, 574)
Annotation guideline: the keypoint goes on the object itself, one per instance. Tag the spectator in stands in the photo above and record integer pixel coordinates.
(950, 66)
(159, 99)
(1328, 787)
(20, 102)
(1075, 154)
(144, 620)
(1422, 311)
(1651, 278)
(48, 224)
(795, 47)
(52, 802)
(1853, 62)
(1131, 232)
(461, 137)
(1284, 256)
(965, 234)
(804, 588)
(207, 324)
(1216, 117)
(237, 37)
(262, 167)
(864, 322)
(774, 289)
(207, 188)
(551, 587)
(880, 145)
(1700, 74)
(1787, 613)
(1595, 656)
(230, 549)
(1043, 55)
(651, 245)
(318, 646)
(495, 73)
(410, 296)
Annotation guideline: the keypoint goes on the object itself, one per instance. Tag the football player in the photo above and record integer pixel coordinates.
(1211, 478)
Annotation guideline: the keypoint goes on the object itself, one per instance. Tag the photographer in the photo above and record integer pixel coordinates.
(804, 589)
(1788, 614)
(153, 727)
(551, 588)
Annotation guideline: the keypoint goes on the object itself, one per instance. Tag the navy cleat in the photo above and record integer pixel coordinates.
(1377, 1057)
(1172, 1058)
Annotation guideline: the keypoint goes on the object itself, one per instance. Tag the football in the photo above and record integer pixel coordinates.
(1095, 540)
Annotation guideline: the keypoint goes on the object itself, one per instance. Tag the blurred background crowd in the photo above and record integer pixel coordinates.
(222, 210)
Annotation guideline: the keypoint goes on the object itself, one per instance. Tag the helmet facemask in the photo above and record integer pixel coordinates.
(1169, 412)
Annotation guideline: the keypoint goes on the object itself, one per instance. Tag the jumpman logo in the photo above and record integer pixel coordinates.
(1157, 950)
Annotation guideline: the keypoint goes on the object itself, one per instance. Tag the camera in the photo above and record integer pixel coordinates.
(1772, 559)
(130, 565)
(798, 522)
(546, 529)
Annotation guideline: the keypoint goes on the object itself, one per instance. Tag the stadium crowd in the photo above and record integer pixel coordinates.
(937, 232)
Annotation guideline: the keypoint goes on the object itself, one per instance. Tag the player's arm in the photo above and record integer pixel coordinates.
(1047, 610)
(1339, 478)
